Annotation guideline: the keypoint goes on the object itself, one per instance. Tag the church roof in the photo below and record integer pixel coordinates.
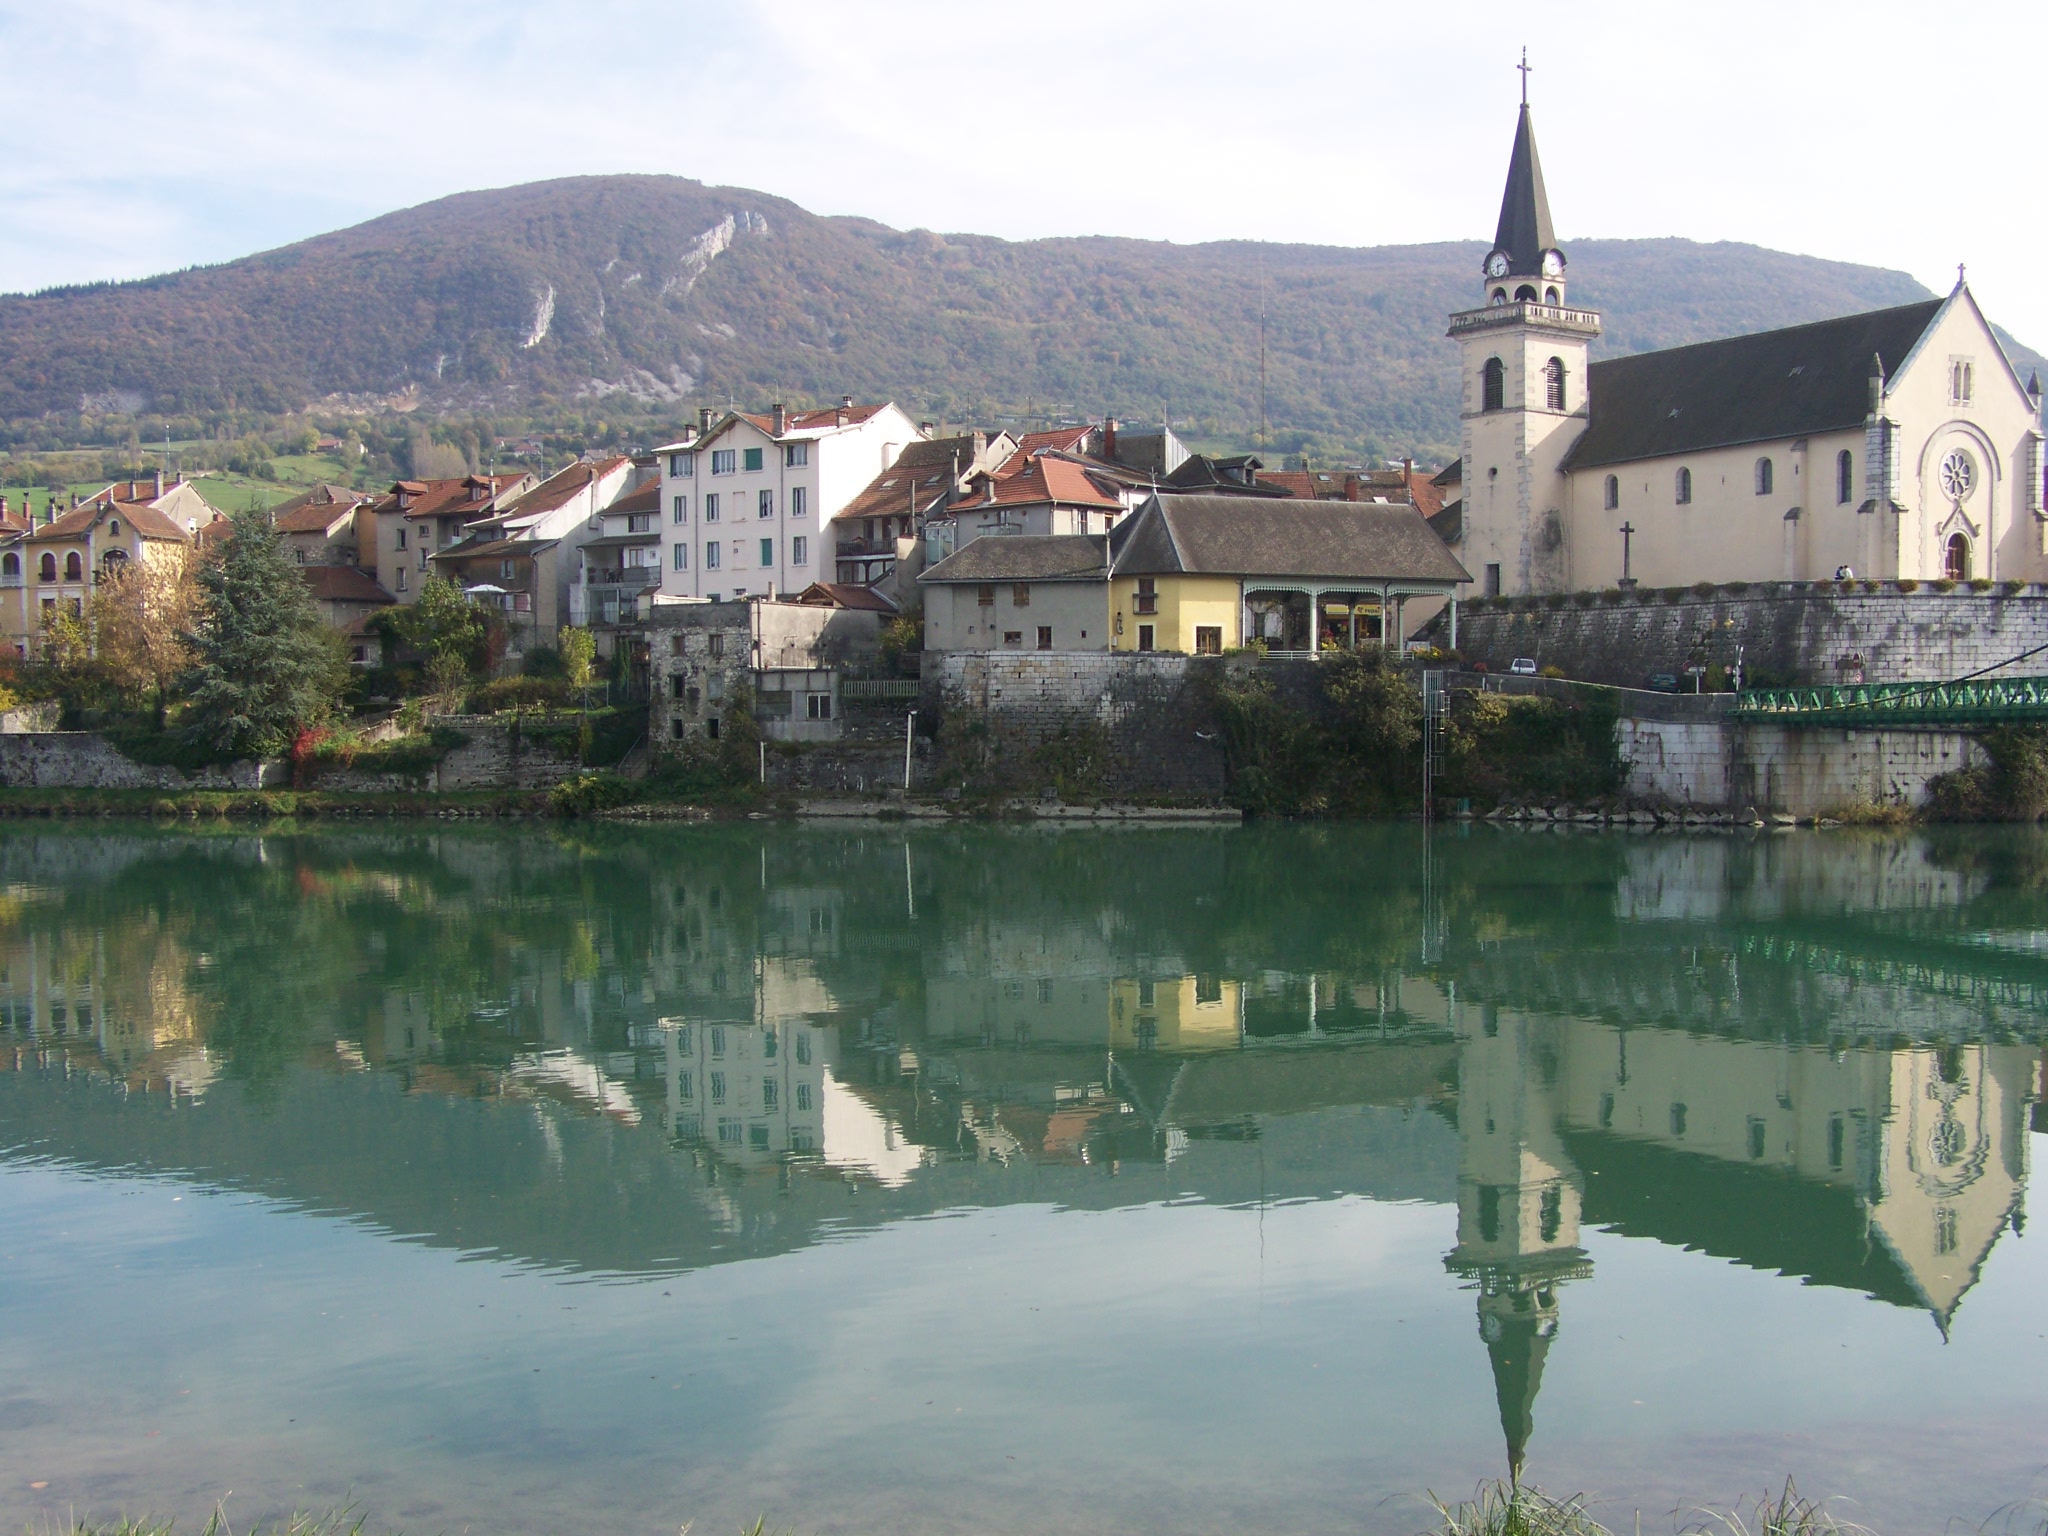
(1524, 231)
(1746, 389)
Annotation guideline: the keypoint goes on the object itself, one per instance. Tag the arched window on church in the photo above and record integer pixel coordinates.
(1763, 476)
(1550, 296)
(1956, 559)
(1611, 496)
(1682, 488)
(1500, 295)
(1845, 477)
(1553, 383)
(1493, 385)
(1526, 294)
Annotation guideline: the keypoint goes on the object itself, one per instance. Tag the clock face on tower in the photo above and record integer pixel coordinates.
(1553, 264)
(1497, 265)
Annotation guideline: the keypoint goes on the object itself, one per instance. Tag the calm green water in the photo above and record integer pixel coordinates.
(1007, 1180)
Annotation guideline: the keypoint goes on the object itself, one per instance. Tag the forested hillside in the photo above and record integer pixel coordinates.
(659, 293)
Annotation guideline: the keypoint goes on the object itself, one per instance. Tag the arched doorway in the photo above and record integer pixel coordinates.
(1956, 558)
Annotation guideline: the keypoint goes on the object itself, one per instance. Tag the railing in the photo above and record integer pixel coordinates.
(629, 579)
(1523, 310)
(879, 689)
(1983, 701)
(869, 548)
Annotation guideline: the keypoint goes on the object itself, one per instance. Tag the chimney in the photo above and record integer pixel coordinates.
(928, 428)
(159, 486)
(1109, 438)
(74, 504)
(846, 402)
(781, 419)
(703, 419)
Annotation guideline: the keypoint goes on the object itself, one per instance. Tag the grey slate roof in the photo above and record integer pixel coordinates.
(1524, 231)
(1253, 536)
(1746, 389)
(1026, 557)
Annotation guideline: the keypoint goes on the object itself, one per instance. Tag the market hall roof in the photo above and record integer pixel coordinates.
(1254, 536)
(1793, 382)
(1026, 557)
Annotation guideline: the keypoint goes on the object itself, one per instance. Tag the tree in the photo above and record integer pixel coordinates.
(444, 626)
(141, 612)
(265, 663)
(579, 658)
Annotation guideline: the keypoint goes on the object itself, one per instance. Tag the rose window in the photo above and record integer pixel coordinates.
(1958, 475)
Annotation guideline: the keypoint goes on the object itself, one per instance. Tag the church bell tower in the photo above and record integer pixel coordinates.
(1523, 367)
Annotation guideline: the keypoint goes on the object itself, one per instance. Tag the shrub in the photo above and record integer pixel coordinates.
(1939, 584)
(1556, 600)
(1703, 589)
(1980, 583)
(1673, 594)
(587, 793)
(1550, 672)
(1907, 584)
(528, 692)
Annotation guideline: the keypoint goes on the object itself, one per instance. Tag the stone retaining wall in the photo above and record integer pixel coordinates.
(1786, 633)
(1722, 765)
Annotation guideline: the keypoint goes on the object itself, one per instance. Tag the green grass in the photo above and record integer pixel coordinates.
(1500, 1508)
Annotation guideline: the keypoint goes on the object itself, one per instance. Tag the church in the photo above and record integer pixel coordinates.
(1899, 444)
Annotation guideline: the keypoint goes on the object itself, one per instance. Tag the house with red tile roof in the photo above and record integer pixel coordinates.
(348, 599)
(747, 498)
(328, 525)
(415, 518)
(1048, 495)
(524, 556)
(880, 526)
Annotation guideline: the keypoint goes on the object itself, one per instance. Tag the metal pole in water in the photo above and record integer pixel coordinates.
(764, 761)
(909, 724)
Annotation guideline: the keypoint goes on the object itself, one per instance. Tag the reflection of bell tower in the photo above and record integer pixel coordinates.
(1518, 1207)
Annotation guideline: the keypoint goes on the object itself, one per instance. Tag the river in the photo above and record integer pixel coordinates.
(1008, 1180)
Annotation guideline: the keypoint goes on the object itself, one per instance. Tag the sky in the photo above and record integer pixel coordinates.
(148, 135)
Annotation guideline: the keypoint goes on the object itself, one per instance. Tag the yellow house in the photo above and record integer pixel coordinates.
(1179, 1013)
(1207, 573)
(54, 566)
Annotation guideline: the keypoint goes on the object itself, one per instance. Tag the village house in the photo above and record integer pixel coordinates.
(418, 517)
(525, 556)
(328, 525)
(1208, 573)
(875, 535)
(622, 563)
(1020, 592)
(748, 498)
(348, 599)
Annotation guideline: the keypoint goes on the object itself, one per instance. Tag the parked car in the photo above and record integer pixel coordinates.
(1523, 666)
(1664, 682)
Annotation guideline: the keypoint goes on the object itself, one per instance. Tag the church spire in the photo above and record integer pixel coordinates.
(1524, 244)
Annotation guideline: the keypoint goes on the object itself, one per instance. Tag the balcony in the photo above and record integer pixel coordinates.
(632, 578)
(1553, 317)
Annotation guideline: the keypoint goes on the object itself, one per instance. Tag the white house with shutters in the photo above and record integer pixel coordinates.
(747, 501)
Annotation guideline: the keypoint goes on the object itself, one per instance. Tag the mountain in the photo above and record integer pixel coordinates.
(669, 292)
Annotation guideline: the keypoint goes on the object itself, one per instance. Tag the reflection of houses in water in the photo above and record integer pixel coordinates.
(131, 1008)
(1890, 1172)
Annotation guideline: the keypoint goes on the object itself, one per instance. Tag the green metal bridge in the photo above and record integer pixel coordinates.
(1875, 706)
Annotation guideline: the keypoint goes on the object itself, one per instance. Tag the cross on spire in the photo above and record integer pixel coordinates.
(1525, 67)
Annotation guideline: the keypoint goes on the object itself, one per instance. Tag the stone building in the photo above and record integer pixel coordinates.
(1899, 444)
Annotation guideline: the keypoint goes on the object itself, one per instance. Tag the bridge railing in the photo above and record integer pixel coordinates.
(1979, 701)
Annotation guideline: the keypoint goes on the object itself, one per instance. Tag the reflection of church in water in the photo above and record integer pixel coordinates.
(1888, 1172)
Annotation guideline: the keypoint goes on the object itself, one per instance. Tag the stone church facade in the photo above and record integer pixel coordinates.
(1900, 444)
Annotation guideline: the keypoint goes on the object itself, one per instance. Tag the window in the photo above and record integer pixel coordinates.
(49, 567)
(1045, 637)
(1550, 1213)
(11, 565)
(770, 1092)
(753, 458)
(1493, 581)
(1144, 637)
(1489, 1213)
(1845, 477)
(1961, 380)
(685, 1089)
(1553, 383)
(764, 504)
(799, 501)
(803, 1058)
(1606, 1112)
(1013, 638)
(398, 539)
(74, 567)
(717, 1087)
(680, 509)
(710, 557)
(714, 643)
(1756, 1139)
(640, 522)
(1678, 1119)
(114, 528)
(767, 553)
(984, 596)
(1526, 294)
(799, 550)
(1945, 1229)
(722, 461)
(803, 1096)
(682, 465)
(1610, 496)
(682, 557)
(1763, 477)
(796, 455)
(425, 556)
(1147, 599)
(1493, 385)
(1955, 562)
(1836, 1138)
(711, 506)
(402, 578)
(1681, 489)
(818, 706)
(1020, 595)
(1208, 639)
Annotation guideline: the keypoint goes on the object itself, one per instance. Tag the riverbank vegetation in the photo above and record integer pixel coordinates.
(2012, 786)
